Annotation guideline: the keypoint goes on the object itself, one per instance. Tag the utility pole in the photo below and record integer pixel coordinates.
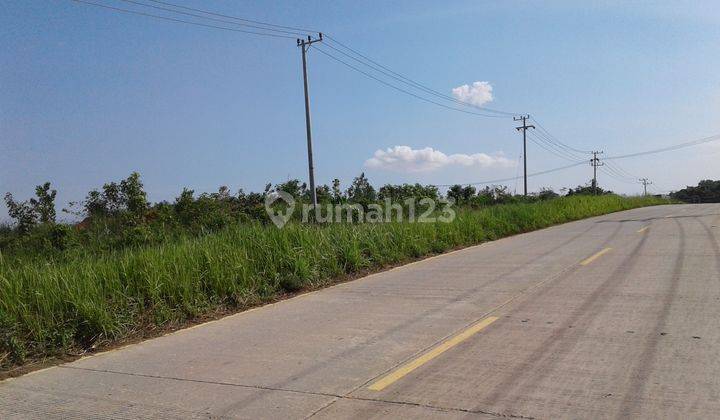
(524, 128)
(305, 46)
(645, 183)
(595, 162)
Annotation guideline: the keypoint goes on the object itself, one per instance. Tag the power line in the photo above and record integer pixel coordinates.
(620, 170)
(498, 181)
(561, 146)
(370, 63)
(214, 19)
(363, 58)
(565, 150)
(390, 85)
(547, 148)
(703, 140)
(128, 11)
(306, 31)
(543, 129)
(554, 149)
(134, 12)
(618, 173)
(542, 137)
(616, 177)
(276, 33)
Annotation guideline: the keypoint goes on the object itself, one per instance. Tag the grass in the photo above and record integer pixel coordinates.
(56, 307)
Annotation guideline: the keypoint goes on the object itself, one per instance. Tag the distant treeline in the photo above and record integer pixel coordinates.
(119, 214)
(707, 191)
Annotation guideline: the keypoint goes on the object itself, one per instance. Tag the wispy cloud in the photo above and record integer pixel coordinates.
(478, 94)
(407, 159)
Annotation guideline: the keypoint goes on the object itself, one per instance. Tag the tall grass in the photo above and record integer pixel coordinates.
(53, 307)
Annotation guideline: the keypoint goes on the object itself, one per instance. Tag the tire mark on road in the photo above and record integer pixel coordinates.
(713, 242)
(643, 368)
(564, 338)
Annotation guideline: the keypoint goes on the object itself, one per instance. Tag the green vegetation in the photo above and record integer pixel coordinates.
(707, 191)
(131, 267)
(118, 215)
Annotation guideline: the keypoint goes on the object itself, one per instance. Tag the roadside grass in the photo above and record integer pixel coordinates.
(58, 307)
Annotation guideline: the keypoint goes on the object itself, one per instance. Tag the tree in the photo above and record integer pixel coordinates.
(323, 194)
(547, 194)
(253, 204)
(133, 195)
(22, 212)
(461, 194)
(184, 206)
(294, 187)
(455, 192)
(360, 191)
(496, 194)
(588, 189)
(707, 191)
(223, 194)
(127, 197)
(27, 214)
(337, 194)
(398, 193)
(44, 204)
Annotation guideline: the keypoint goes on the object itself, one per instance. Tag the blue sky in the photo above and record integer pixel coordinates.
(90, 95)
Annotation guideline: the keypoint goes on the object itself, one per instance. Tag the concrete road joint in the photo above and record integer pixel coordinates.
(295, 391)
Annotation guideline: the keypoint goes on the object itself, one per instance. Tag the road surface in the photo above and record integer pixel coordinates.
(610, 317)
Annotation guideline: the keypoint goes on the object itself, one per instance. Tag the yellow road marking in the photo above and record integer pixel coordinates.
(594, 257)
(446, 345)
(643, 229)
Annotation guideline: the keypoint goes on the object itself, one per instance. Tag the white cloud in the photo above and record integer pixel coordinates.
(478, 94)
(407, 159)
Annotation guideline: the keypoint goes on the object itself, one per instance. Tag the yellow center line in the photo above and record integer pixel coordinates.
(441, 348)
(643, 229)
(594, 257)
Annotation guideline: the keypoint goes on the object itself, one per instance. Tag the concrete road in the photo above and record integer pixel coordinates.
(611, 317)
